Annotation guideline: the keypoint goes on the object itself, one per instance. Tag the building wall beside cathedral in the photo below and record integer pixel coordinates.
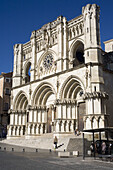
(58, 78)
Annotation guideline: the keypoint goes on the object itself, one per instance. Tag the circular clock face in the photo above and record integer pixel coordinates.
(48, 61)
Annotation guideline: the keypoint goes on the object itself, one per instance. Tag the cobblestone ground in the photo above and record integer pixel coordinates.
(45, 161)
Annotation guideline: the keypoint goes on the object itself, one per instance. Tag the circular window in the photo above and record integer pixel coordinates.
(48, 61)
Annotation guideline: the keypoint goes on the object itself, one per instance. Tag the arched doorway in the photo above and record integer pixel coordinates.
(44, 98)
(74, 109)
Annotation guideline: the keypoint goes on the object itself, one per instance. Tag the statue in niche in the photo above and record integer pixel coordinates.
(46, 40)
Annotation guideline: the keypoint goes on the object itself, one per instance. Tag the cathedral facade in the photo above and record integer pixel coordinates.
(61, 78)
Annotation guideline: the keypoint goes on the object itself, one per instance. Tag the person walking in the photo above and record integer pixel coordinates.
(103, 147)
(55, 142)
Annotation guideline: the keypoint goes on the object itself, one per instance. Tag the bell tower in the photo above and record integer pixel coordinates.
(91, 15)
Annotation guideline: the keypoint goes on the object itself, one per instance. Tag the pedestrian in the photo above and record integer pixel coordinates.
(92, 148)
(110, 146)
(103, 147)
(75, 131)
(55, 142)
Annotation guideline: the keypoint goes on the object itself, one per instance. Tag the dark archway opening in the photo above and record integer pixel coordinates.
(28, 73)
(78, 55)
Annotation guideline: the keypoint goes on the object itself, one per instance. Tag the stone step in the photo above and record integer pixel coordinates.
(68, 142)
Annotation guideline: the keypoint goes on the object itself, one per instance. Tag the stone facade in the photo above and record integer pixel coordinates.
(59, 78)
(5, 92)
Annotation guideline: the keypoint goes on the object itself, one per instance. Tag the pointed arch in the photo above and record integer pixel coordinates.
(27, 68)
(77, 52)
(20, 101)
(42, 93)
(71, 86)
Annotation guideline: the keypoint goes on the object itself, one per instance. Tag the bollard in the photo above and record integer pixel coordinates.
(23, 150)
(4, 149)
(49, 150)
(12, 149)
(36, 150)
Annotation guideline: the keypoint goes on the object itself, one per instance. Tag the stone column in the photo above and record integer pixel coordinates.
(17, 133)
(19, 119)
(29, 129)
(72, 126)
(77, 116)
(59, 111)
(67, 126)
(21, 132)
(33, 129)
(41, 130)
(35, 115)
(69, 111)
(11, 118)
(9, 131)
(30, 116)
(37, 129)
(73, 111)
(64, 110)
(63, 126)
(39, 115)
(53, 114)
(14, 131)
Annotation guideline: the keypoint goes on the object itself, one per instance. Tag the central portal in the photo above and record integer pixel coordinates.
(49, 120)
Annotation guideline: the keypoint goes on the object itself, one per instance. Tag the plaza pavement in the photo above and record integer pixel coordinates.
(48, 161)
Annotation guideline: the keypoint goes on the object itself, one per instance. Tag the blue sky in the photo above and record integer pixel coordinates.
(18, 18)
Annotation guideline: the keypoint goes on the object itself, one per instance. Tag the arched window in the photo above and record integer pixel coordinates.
(78, 54)
(28, 73)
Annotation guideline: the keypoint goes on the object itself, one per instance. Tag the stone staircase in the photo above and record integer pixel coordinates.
(68, 142)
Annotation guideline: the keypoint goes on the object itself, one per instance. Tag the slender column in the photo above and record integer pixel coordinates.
(45, 128)
(11, 119)
(30, 116)
(17, 133)
(33, 129)
(63, 125)
(35, 115)
(28, 129)
(72, 126)
(59, 111)
(73, 112)
(37, 129)
(14, 131)
(19, 119)
(39, 116)
(22, 118)
(64, 110)
(14, 119)
(43, 115)
(21, 132)
(9, 131)
(41, 130)
(67, 126)
(77, 116)
(53, 114)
